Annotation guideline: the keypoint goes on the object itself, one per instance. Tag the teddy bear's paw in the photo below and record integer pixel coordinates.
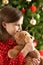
(28, 61)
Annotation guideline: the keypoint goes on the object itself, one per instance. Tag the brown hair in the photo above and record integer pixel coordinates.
(8, 14)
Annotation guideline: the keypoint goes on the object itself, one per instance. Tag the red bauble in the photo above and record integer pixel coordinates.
(35, 42)
(41, 52)
(33, 8)
(23, 10)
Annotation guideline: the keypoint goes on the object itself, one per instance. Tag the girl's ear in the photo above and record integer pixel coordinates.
(4, 24)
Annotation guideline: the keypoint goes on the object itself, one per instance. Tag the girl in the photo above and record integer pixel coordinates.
(11, 21)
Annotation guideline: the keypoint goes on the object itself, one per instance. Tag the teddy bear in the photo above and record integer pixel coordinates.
(33, 57)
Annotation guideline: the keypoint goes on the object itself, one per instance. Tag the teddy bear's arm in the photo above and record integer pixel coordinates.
(12, 53)
(34, 54)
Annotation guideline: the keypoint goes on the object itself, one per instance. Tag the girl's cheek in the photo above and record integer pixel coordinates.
(16, 28)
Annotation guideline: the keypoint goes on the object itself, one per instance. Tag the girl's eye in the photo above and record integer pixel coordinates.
(16, 25)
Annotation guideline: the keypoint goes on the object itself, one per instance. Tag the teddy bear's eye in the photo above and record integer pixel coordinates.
(31, 37)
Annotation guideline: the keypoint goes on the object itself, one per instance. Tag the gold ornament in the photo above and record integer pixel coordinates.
(33, 21)
(28, 0)
(4, 2)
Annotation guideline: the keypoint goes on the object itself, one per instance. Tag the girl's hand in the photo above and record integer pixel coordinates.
(28, 48)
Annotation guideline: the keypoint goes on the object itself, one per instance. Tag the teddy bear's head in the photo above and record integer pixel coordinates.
(23, 37)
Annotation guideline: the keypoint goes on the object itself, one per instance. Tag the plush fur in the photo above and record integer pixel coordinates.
(33, 58)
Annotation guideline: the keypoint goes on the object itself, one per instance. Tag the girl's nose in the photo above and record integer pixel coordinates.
(20, 27)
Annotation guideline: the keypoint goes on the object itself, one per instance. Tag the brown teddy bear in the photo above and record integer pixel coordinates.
(23, 37)
(41, 58)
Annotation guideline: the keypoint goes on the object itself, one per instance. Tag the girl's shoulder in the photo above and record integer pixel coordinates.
(11, 41)
(8, 42)
(5, 46)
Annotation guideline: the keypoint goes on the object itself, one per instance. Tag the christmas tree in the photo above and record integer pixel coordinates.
(33, 17)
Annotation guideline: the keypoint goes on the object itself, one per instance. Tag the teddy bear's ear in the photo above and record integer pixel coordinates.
(19, 38)
(17, 35)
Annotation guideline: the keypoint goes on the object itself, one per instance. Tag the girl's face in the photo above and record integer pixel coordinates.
(12, 28)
